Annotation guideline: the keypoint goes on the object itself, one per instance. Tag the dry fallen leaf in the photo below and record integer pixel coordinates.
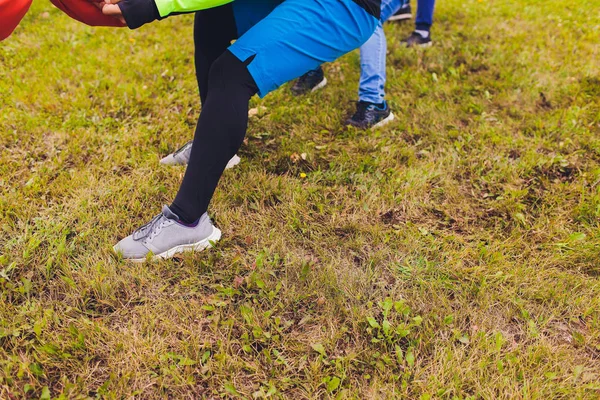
(255, 111)
(238, 281)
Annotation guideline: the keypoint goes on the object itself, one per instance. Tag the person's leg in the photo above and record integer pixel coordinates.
(300, 35)
(220, 131)
(372, 68)
(372, 109)
(390, 7)
(424, 18)
(403, 13)
(422, 35)
(214, 29)
(185, 226)
(296, 37)
(373, 58)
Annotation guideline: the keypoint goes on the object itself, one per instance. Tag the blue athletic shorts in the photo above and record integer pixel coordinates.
(289, 38)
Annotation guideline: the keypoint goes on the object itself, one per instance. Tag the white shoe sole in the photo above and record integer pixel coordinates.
(402, 17)
(384, 122)
(321, 85)
(170, 160)
(418, 46)
(184, 248)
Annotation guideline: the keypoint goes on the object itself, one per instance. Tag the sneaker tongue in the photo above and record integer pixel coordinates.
(166, 211)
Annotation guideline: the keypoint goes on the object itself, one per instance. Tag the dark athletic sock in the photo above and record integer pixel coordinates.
(219, 134)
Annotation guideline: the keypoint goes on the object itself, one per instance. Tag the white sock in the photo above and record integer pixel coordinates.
(424, 34)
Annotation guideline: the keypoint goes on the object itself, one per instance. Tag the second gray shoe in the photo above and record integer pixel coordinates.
(165, 236)
(182, 157)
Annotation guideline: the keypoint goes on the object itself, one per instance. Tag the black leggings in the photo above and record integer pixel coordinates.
(214, 29)
(226, 87)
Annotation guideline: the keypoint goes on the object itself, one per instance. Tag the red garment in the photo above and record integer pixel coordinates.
(11, 13)
(86, 12)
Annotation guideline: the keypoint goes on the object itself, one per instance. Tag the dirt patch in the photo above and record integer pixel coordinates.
(544, 103)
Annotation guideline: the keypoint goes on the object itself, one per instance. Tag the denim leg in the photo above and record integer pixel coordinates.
(372, 68)
(424, 17)
(390, 7)
(372, 58)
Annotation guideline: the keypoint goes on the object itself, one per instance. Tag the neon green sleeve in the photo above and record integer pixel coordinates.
(168, 7)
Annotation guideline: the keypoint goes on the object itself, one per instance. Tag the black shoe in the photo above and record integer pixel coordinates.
(309, 82)
(402, 14)
(416, 40)
(370, 115)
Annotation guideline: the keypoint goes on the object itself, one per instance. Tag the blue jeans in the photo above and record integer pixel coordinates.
(373, 53)
(372, 57)
(424, 17)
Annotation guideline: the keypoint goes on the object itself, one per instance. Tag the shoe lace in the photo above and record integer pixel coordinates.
(183, 148)
(150, 230)
(361, 110)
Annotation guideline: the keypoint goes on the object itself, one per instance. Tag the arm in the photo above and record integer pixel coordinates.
(140, 12)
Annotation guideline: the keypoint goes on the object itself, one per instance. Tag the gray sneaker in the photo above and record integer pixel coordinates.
(165, 236)
(182, 156)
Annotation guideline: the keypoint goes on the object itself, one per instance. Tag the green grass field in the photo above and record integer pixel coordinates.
(454, 254)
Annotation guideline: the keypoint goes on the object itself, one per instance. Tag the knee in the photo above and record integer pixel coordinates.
(228, 72)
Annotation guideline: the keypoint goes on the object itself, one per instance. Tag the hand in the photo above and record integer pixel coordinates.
(110, 8)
